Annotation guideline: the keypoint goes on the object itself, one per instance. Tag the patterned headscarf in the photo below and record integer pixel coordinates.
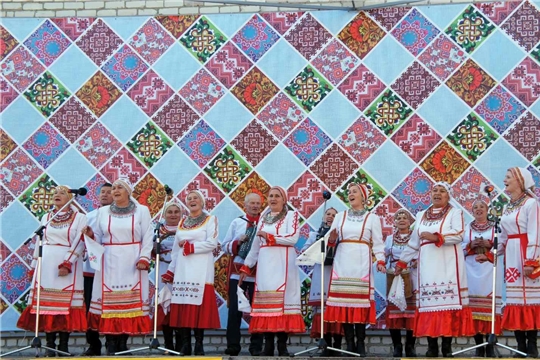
(524, 177)
(172, 203)
(282, 192)
(363, 189)
(445, 185)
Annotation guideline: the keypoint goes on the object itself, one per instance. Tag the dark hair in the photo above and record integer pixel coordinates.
(106, 185)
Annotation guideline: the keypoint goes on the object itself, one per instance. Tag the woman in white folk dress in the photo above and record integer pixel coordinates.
(357, 233)
(191, 272)
(276, 308)
(62, 309)
(443, 301)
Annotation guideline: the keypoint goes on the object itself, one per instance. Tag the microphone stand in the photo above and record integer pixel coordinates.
(154, 343)
(36, 341)
(492, 338)
(322, 345)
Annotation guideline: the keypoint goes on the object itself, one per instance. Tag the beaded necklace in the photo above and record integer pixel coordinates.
(121, 212)
(516, 203)
(401, 240)
(63, 219)
(272, 219)
(193, 222)
(432, 216)
(481, 227)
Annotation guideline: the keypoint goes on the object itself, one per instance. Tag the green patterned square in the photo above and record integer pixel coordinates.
(388, 112)
(203, 39)
(536, 163)
(472, 137)
(308, 88)
(470, 29)
(150, 144)
(227, 169)
(38, 197)
(535, 54)
(47, 94)
(376, 192)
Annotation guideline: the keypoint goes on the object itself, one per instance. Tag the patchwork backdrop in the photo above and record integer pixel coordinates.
(395, 98)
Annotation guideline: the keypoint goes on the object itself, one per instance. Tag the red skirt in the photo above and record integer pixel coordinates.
(484, 327)
(400, 323)
(521, 317)
(74, 322)
(351, 315)
(451, 323)
(162, 319)
(282, 323)
(204, 316)
(139, 325)
(329, 327)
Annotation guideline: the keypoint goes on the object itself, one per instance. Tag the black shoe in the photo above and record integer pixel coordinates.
(398, 351)
(532, 347)
(433, 348)
(348, 329)
(490, 351)
(111, 344)
(199, 338)
(50, 339)
(521, 339)
(183, 341)
(268, 344)
(91, 351)
(360, 330)
(480, 352)
(410, 351)
(282, 344)
(446, 347)
(232, 350)
(63, 344)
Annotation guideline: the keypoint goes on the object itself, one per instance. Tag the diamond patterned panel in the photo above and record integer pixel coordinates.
(21, 68)
(255, 38)
(14, 278)
(308, 101)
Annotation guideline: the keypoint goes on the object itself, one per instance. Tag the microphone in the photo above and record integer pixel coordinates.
(168, 190)
(79, 191)
(489, 189)
(326, 195)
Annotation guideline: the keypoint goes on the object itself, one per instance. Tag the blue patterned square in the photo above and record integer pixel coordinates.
(415, 32)
(125, 67)
(15, 279)
(443, 101)
(201, 144)
(388, 60)
(255, 38)
(498, 66)
(325, 114)
(62, 170)
(498, 159)
(307, 141)
(73, 69)
(47, 43)
(396, 165)
(290, 168)
(500, 109)
(415, 191)
(167, 66)
(166, 169)
(46, 145)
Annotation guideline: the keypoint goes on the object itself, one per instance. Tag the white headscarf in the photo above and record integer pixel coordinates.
(525, 179)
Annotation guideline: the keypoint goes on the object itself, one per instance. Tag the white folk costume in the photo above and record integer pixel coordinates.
(480, 279)
(443, 300)
(193, 303)
(167, 235)
(315, 292)
(351, 297)
(276, 304)
(393, 248)
(520, 238)
(120, 303)
(61, 302)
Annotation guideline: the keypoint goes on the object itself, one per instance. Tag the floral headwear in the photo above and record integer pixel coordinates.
(407, 213)
(173, 202)
(363, 189)
(445, 185)
(199, 194)
(125, 184)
